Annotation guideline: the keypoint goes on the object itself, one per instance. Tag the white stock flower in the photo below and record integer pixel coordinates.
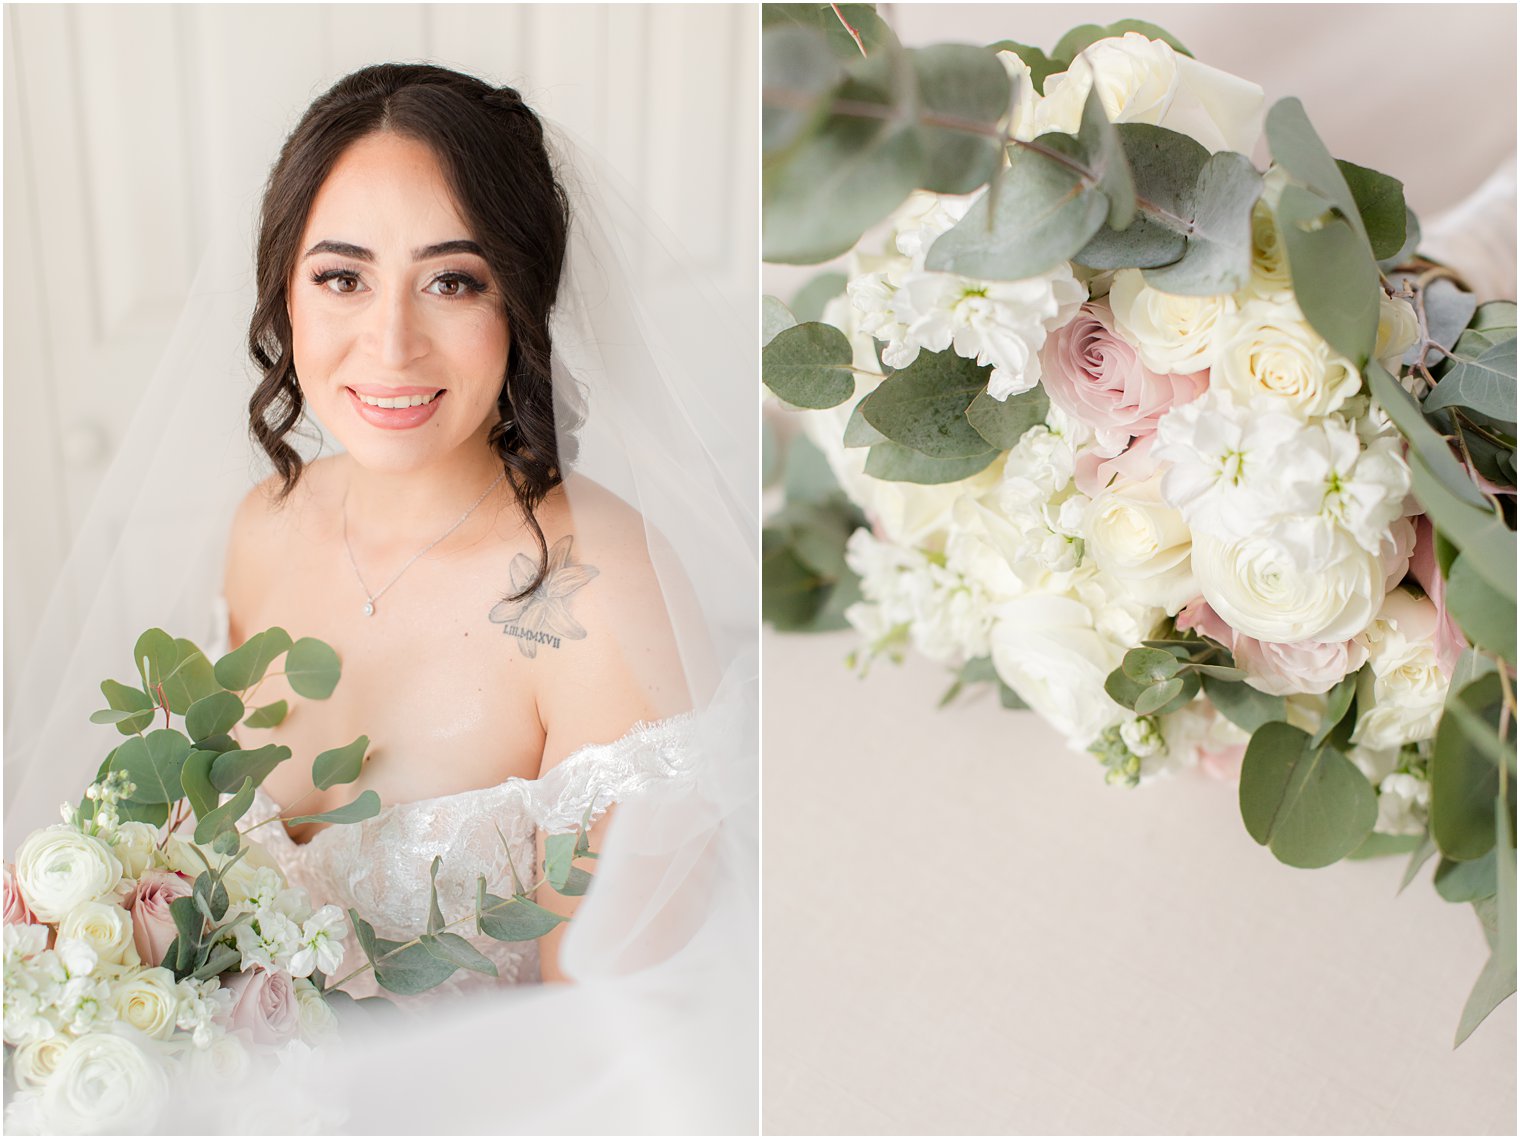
(1326, 472)
(105, 927)
(1225, 463)
(148, 1001)
(1265, 587)
(922, 220)
(104, 1083)
(1141, 80)
(1175, 335)
(318, 1021)
(33, 1063)
(58, 868)
(1273, 360)
(1402, 699)
(321, 943)
(204, 1007)
(268, 941)
(1403, 804)
(1142, 736)
(84, 1005)
(1138, 539)
(134, 844)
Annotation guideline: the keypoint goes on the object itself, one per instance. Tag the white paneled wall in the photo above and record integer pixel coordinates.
(133, 133)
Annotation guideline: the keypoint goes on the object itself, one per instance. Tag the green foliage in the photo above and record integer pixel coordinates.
(404, 968)
(1165, 166)
(774, 317)
(195, 777)
(1485, 382)
(136, 705)
(1002, 422)
(823, 18)
(512, 919)
(1110, 168)
(435, 915)
(1080, 38)
(967, 84)
(1216, 217)
(805, 583)
(1486, 617)
(230, 768)
(312, 668)
(153, 763)
(923, 407)
(893, 462)
(454, 950)
(809, 365)
(366, 806)
(1310, 805)
(213, 715)
(245, 665)
(1041, 66)
(1380, 204)
(1496, 982)
(211, 896)
(1385, 846)
(1335, 280)
(269, 716)
(339, 764)
(1465, 767)
(191, 679)
(809, 302)
(799, 63)
(1459, 882)
(223, 820)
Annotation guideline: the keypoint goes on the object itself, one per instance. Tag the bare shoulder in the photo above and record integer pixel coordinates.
(265, 526)
(615, 658)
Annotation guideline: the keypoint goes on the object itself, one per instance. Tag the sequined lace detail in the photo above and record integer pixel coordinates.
(380, 867)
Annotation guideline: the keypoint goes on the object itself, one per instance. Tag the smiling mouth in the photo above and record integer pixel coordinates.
(396, 401)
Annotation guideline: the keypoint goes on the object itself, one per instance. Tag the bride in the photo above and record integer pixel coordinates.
(491, 621)
(535, 556)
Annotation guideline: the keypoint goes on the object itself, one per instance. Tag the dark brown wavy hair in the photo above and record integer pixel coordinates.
(490, 146)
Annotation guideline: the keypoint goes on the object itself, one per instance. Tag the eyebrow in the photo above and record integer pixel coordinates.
(359, 253)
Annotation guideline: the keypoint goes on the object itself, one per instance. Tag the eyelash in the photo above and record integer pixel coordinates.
(468, 284)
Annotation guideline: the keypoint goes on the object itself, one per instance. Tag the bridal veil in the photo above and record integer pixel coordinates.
(659, 1031)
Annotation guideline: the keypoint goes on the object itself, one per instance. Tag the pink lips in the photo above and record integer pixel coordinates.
(394, 418)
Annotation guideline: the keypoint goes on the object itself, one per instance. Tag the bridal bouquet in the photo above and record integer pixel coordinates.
(1202, 463)
(136, 956)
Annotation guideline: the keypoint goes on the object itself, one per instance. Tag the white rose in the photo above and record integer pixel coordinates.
(106, 928)
(106, 1084)
(1140, 540)
(1272, 359)
(1141, 80)
(33, 1064)
(58, 868)
(1048, 649)
(182, 857)
(1175, 335)
(149, 1002)
(1262, 587)
(1398, 329)
(317, 1019)
(134, 844)
(1022, 118)
(1403, 698)
(1270, 278)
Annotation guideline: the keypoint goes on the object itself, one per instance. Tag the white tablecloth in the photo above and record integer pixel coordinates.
(966, 931)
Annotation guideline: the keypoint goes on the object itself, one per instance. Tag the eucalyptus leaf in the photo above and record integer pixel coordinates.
(111, 716)
(1147, 666)
(1002, 422)
(1080, 38)
(1464, 782)
(809, 365)
(830, 20)
(810, 300)
(1105, 156)
(195, 777)
(1485, 616)
(1335, 280)
(1380, 203)
(559, 850)
(1242, 705)
(1042, 211)
(339, 765)
(514, 919)
(859, 433)
(211, 896)
(809, 478)
(795, 61)
(1485, 383)
(1219, 671)
(435, 920)
(245, 665)
(154, 814)
(124, 698)
(968, 85)
(153, 763)
(455, 950)
(1378, 845)
(1417, 859)
(1448, 311)
(191, 679)
(1165, 166)
(223, 819)
(410, 970)
(1158, 696)
(269, 716)
(213, 715)
(1337, 704)
(312, 668)
(1495, 984)
(155, 655)
(366, 806)
(923, 406)
(223, 958)
(230, 768)
(1041, 66)
(1459, 882)
(893, 462)
(1311, 806)
(189, 925)
(227, 842)
(576, 883)
(1217, 225)
(1298, 149)
(1123, 690)
(790, 590)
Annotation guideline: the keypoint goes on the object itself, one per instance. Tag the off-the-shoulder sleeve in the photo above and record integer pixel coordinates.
(591, 779)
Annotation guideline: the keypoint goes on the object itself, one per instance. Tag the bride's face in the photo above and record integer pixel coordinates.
(391, 302)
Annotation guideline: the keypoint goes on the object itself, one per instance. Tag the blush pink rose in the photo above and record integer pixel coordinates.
(1449, 641)
(152, 924)
(264, 1005)
(16, 910)
(1222, 761)
(1094, 474)
(1278, 669)
(1093, 375)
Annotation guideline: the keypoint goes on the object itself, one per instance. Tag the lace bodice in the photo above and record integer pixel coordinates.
(380, 867)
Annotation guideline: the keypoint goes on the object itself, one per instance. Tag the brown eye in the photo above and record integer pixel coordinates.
(344, 283)
(448, 286)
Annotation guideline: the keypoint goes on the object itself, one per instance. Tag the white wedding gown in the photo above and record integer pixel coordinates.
(380, 867)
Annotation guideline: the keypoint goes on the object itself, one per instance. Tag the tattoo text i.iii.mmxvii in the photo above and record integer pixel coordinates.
(543, 617)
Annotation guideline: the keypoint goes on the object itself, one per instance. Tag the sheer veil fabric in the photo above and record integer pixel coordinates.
(659, 1031)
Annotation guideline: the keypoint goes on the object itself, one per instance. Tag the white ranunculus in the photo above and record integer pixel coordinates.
(1273, 360)
(149, 1002)
(58, 868)
(1403, 804)
(107, 928)
(1140, 540)
(1226, 463)
(1398, 329)
(33, 1064)
(1263, 586)
(318, 1022)
(1175, 335)
(1402, 699)
(1140, 80)
(134, 844)
(1048, 649)
(104, 1083)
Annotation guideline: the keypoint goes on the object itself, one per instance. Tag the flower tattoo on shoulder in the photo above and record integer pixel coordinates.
(543, 616)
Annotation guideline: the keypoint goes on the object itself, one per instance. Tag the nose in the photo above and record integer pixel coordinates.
(397, 335)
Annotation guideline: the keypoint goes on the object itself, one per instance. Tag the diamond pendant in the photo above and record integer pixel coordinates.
(369, 608)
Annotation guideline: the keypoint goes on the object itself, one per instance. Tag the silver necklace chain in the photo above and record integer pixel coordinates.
(369, 605)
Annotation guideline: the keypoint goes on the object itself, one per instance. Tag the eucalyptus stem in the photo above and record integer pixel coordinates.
(273, 817)
(854, 34)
